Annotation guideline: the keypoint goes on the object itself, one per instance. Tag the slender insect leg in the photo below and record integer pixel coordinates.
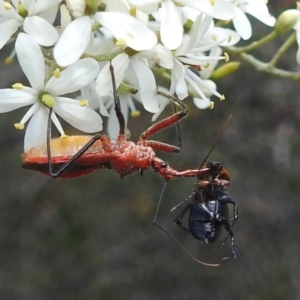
(228, 227)
(174, 118)
(178, 219)
(73, 159)
(172, 236)
(118, 110)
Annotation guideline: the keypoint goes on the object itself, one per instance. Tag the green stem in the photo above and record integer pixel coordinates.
(256, 44)
(286, 45)
(268, 68)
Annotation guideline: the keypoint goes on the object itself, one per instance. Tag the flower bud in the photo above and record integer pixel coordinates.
(225, 70)
(287, 20)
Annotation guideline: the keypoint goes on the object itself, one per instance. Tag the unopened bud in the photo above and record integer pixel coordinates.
(287, 20)
(225, 70)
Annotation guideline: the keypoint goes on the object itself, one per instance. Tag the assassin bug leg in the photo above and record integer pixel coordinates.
(118, 111)
(69, 163)
(164, 124)
(64, 167)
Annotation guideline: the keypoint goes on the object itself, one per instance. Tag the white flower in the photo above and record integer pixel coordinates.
(136, 72)
(126, 28)
(41, 95)
(36, 17)
(170, 16)
(258, 9)
(191, 55)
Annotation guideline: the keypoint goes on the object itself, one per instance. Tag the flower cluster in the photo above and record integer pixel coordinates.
(179, 42)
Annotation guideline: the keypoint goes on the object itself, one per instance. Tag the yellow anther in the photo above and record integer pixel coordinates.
(298, 4)
(226, 57)
(212, 2)
(135, 113)
(84, 102)
(120, 42)
(132, 11)
(48, 100)
(211, 105)
(7, 6)
(229, 38)
(64, 136)
(56, 73)
(8, 60)
(214, 37)
(222, 98)
(206, 65)
(19, 126)
(18, 86)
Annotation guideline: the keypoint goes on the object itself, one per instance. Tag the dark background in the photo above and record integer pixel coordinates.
(92, 237)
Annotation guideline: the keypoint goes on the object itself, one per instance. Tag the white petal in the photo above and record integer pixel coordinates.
(178, 84)
(219, 9)
(103, 81)
(171, 25)
(136, 35)
(160, 55)
(260, 13)
(201, 103)
(73, 41)
(147, 85)
(74, 77)
(198, 30)
(44, 33)
(242, 25)
(80, 117)
(49, 15)
(43, 5)
(7, 29)
(163, 102)
(31, 60)
(36, 131)
(11, 99)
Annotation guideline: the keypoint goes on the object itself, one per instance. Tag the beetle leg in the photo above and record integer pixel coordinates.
(178, 219)
(228, 227)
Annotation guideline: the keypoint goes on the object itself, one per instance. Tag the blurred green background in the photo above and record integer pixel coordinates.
(93, 238)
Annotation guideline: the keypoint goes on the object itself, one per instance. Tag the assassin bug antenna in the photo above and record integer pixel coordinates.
(216, 141)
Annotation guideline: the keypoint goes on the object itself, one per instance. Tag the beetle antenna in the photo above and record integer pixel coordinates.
(216, 141)
(173, 237)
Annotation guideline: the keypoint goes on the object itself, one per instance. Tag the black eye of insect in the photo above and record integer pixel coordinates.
(163, 165)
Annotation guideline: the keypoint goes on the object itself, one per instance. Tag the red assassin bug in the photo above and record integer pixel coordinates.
(79, 155)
